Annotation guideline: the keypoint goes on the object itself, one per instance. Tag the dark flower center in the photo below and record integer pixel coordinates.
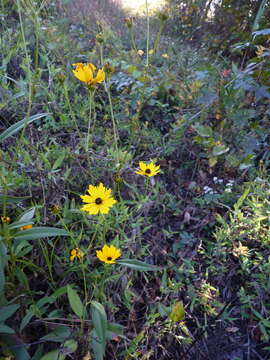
(98, 201)
(148, 171)
(109, 258)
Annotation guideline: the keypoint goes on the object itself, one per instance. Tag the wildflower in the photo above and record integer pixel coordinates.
(165, 56)
(260, 50)
(5, 219)
(55, 209)
(140, 52)
(129, 22)
(76, 253)
(26, 227)
(148, 170)
(99, 200)
(240, 250)
(151, 51)
(85, 73)
(108, 254)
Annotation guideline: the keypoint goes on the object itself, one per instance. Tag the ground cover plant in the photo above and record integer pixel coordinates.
(134, 182)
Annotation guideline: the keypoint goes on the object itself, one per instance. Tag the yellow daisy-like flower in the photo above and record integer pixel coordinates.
(99, 200)
(5, 219)
(26, 227)
(108, 254)
(76, 253)
(148, 169)
(85, 73)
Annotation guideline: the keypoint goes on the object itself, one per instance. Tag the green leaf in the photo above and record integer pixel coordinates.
(138, 265)
(178, 312)
(40, 232)
(16, 346)
(58, 161)
(27, 215)
(26, 319)
(219, 150)
(98, 346)
(242, 198)
(69, 347)
(75, 302)
(204, 131)
(18, 224)
(7, 311)
(4, 329)
(5, 199)
(13, 129)
(3, 262)
(60, 334)
(99, 319)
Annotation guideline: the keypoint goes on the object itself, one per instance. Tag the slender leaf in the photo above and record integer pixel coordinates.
(138, 265)
(6, 199)
(13, 129)
(40, 232)
(7, 311)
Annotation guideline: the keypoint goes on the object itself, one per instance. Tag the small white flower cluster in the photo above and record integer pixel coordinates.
(209, 190)
(217, 181)
(229, 186)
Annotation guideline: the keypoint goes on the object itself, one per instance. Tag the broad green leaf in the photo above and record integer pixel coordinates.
(178, 312)
(75, 302)
(98, 346)
(219, 150)
(13, 129)
(99, 319)
(6, 199)
(60, 334)
(3, 262)
(16, 346)
(4, 329)
(204, 131)
(19, 224)
(69, 347)
(40, 232)
(27, 215)
(138, 265)
(7, 311)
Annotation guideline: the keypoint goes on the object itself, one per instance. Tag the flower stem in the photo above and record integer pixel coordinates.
(147, 34)
(89, 119)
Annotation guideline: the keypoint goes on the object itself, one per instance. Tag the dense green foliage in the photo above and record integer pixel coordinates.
(190, 95)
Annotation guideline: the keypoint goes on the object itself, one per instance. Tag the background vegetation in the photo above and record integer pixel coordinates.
(187, 88)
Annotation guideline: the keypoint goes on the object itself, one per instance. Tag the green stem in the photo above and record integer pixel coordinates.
(70, 108)
(157, 40)
(147, 34)
(90, 92)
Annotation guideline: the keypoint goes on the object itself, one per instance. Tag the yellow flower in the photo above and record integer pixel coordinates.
(240, 250)
(26, 227)
(148, 170)
(99, 200)
(260, 50)
(55, 209)
(108, 254)
(140, 52)
(151, 51)
(76, 253)
(85, 73)
(5, 219)
(166, 56)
